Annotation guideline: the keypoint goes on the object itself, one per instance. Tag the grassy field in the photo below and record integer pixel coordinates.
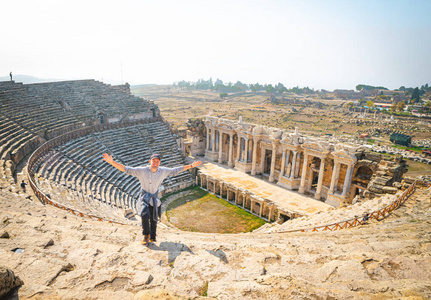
(200, 211)
(417, 168)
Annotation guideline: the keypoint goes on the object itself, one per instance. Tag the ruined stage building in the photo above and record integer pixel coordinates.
(334, 173)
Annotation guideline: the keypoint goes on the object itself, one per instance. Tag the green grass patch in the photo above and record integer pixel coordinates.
(415, 149)
(201, 211)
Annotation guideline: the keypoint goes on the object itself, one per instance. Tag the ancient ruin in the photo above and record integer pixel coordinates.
(334, 173)
(53, 134)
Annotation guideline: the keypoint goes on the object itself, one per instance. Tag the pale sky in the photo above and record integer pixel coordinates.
(321, 44)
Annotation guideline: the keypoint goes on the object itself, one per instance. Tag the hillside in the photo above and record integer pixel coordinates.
(66, 257)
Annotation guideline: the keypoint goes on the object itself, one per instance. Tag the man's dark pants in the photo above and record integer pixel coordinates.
(149, 226)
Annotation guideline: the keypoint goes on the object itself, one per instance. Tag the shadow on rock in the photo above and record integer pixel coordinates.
(220, 254)
(173, 249)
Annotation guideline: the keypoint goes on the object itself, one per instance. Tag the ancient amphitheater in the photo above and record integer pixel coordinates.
(67, 237)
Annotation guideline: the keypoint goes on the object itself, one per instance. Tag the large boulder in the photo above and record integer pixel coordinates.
(8, 281)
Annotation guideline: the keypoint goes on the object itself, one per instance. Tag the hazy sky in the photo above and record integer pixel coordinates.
(321, 44)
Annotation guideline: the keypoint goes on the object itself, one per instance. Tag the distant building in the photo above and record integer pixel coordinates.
(382, 105)
(348, 94)
(400, 139)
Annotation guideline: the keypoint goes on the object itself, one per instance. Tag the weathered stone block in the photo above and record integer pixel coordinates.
(390, 190)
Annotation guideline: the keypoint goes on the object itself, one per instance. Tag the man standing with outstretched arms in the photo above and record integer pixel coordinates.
(150, 177)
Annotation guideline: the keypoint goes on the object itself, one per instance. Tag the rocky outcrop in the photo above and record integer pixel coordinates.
(8, 281)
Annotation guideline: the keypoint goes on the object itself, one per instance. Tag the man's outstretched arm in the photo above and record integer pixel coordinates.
(193, 165)
(108, 158)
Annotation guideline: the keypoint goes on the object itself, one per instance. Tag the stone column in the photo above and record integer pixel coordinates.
(261, 210)
(242, 149)
(347, 181)
(262, 160)
(287, 161)
(310, 180)
(246, 150)
(270, 213)
(213, 138)
(335, 176)
(292, 171)
(298, 161)
(208, 138)
(304, 174)
(238, 150)
(283, 162)
(220, 147)
(253, 164)
(320, 180)
(274, 154)
(230, 164)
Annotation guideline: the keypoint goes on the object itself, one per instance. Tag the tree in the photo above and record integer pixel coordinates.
(402, 88)
(359, 87)
(280, 88)
(370, 103)
(400, 106)
(415, 96)
(269, 88)
(223, 95)
(239, 86)
(393, 107)
(349, 105)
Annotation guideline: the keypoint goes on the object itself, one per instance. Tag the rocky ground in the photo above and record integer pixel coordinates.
(67, 257)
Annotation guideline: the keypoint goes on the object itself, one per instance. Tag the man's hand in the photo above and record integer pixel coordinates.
(108, 158)
(196, 164)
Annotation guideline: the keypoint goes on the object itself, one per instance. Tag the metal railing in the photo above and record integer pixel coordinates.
(376, 215)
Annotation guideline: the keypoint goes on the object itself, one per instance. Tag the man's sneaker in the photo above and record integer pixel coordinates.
(152, 240)
(146, 239)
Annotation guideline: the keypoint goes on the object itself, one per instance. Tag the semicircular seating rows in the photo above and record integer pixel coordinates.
(73, 173)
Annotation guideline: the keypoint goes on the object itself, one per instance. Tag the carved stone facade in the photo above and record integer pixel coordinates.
(334, 173)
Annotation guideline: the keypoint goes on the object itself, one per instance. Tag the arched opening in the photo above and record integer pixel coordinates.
(284, 217)
(364, 173)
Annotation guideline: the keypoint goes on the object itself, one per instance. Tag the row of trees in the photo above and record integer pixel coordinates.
(237, 87)
(414, 93)
(219, 86)
(361, 87)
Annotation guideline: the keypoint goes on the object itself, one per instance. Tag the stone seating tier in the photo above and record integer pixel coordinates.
(77, 165)
(33, 113)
